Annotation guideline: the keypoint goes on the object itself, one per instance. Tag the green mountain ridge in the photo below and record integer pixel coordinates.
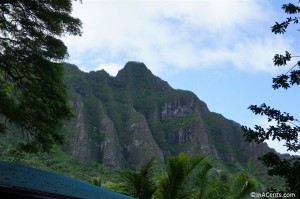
(122, 121)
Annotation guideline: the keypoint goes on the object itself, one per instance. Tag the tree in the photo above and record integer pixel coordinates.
(186, 178)
(209, 183)
(96, 181)
(179, 181)
(141, 183)
(286, 127)
(242, 185)
(32, 91)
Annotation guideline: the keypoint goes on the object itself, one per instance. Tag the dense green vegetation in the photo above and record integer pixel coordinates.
(124, 103)
(218, 125)
(172, 124)
(194, 177)
(214, 180)
(187, 178)
(125, 93)
(59, 161)
(32, 90)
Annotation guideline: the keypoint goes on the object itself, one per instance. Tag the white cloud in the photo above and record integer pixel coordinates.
(178, 34)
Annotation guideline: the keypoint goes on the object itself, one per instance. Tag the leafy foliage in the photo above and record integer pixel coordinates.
(209, 183)
(59, 161)
(282, 130)
(188, 178)
(287, 127)
(242, 186)
(179, 171)
(280, 28)
(32, 92)
(96, 181)
(286, 168)
(140, 184)
(174, 123)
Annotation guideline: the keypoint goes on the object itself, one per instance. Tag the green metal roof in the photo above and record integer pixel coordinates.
(18, 177)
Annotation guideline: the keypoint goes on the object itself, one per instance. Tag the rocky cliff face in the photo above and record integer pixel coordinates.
(124, 120)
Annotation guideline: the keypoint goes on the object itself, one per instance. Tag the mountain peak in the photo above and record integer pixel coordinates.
(139, 76)
(134, 68)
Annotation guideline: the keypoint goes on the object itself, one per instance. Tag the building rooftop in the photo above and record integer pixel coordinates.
(18, 180)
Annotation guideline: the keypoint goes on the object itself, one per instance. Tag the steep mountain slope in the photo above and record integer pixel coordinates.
(124, 120)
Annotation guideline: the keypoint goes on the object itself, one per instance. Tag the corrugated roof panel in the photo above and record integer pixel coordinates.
(26, 178)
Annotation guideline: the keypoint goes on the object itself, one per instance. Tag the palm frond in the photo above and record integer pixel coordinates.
(180, 171)
(140, 184)
(242, 186)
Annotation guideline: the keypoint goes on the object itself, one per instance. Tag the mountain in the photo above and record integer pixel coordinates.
(122, 121)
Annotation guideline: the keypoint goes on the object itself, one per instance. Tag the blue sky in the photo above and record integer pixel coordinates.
(221, 50)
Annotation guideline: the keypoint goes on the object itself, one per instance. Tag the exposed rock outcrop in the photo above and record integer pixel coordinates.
(125, 120)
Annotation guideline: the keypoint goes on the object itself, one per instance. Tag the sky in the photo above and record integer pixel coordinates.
(221, 50)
